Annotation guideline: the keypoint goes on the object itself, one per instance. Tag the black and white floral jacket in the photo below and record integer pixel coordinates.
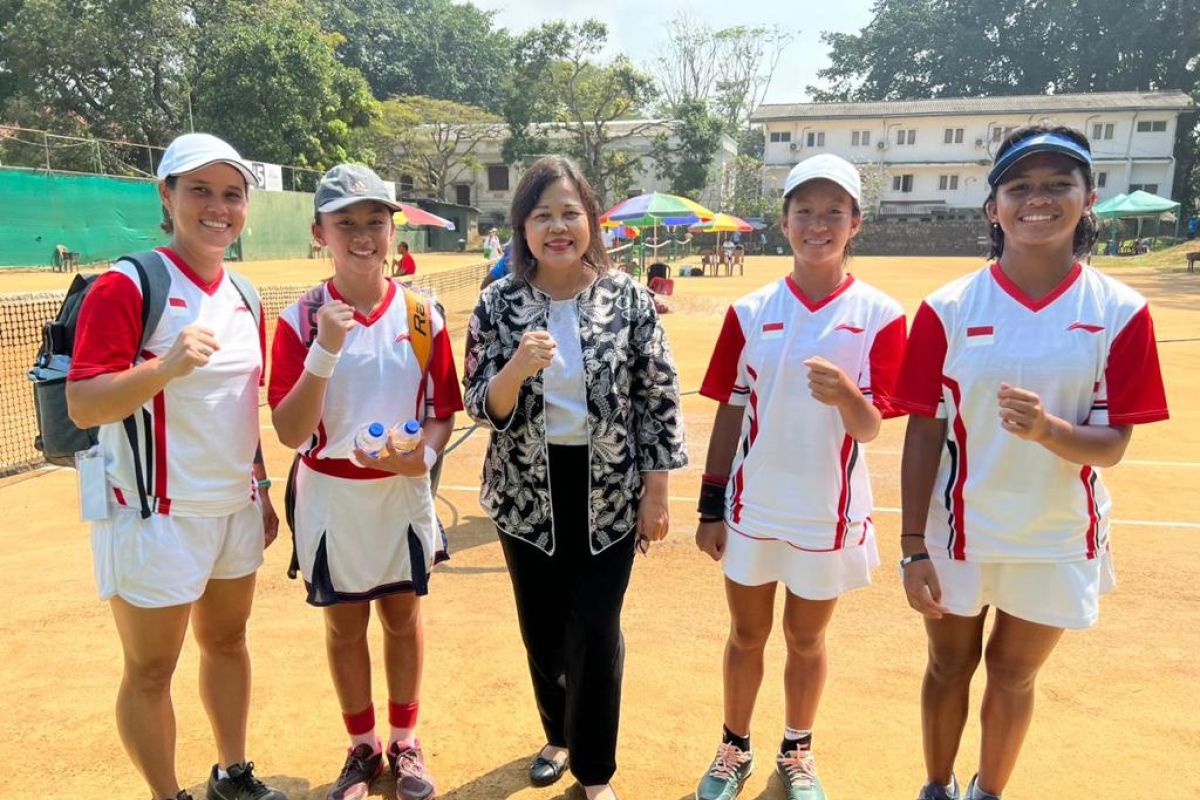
(634, 420)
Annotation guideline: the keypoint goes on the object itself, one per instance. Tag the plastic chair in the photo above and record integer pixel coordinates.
(65, 260)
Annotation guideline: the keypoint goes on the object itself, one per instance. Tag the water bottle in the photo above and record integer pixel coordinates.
(408, 436)
(371, 439)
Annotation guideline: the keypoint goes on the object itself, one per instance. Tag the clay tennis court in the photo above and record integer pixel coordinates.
(1117, 713)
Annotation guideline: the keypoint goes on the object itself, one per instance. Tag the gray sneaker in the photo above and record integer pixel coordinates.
(798, 772)
(975, 793)
(240, 785)
(936, 791)
(727, 773)
(413, 781)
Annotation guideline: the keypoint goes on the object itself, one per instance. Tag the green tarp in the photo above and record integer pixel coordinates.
(1136, 204)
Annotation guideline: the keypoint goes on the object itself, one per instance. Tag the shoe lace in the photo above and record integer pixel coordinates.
(247, 780)
(800, 767)
(408, 762)
(353, 762)
(729, 758)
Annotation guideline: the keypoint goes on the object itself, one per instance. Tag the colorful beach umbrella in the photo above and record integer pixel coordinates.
(655, 208)
(411, 215)
(722, 223)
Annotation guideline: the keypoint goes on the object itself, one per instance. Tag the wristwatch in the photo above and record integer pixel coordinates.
(904, 562)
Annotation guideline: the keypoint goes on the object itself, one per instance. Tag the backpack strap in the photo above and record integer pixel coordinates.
(420, 336)
(155, 283)
(248, 293)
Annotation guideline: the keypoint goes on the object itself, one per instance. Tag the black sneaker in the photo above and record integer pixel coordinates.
(363, 765)
(240, 785)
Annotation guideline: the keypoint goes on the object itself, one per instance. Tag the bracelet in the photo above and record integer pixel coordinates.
(704, 518)
(431, 457)
(265, 483)
(912, 534)
(909, 559)
(319, 361)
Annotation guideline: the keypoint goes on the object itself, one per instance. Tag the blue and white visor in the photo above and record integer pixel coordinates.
(1041, 143)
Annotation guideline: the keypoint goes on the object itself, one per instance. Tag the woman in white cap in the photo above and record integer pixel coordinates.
(803, 371)
(359, 349)
(1022, 379)
(176, 398)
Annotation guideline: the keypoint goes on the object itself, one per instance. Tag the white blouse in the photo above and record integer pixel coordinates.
(566, 395)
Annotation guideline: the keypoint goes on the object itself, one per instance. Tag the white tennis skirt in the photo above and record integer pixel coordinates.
(357, 540)
(807, 574)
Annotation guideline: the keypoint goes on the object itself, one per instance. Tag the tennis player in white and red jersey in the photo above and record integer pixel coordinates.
(1021, 379)
(804, 370)
(367, 532)
(192, 393)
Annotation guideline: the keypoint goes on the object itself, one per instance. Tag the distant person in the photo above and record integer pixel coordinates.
(499, 269)
(1193, 225)
(405, 266)
(1031, 373)
(491, 245)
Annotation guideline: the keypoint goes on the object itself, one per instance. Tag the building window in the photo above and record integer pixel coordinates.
(406, 183)
(462, 194)
(948, 183)
(1101, 180)
(781, 136)
(1152, 126)
(902, 183)
(860, 138)
(998, 133)
(1152, 188)
(497, 178)
(815, 139)
(953, 136)
(906, 136)
(1102, 130)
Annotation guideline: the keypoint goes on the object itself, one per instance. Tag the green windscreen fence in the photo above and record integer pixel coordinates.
(102, 218)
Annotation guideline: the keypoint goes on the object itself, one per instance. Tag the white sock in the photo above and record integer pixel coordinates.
(365, 738)
(404, 736)
(222, 773)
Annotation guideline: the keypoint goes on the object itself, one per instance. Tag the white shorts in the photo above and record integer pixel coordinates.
(1063, 595)
(357, 540)
(807, 574)
(167, 560)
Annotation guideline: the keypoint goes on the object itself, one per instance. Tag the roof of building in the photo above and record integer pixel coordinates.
(1173, 100)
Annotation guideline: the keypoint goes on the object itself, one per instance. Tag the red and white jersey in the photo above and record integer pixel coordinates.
(797, 475)
(198, 435)
(1086, 349)
(378, 378)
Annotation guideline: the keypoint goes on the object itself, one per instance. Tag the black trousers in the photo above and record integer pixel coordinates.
(569, 608)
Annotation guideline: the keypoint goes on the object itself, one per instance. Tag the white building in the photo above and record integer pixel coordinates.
(490, 185)
(934, 154)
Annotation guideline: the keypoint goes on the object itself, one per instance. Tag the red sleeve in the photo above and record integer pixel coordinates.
(109, 329)
(887, 351)
(287, 362)
(721, 377)
(1132, 376)
(443, 378)
(919, 388)
(408, 264)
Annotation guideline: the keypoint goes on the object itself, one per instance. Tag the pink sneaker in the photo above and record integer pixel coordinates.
(413, 781)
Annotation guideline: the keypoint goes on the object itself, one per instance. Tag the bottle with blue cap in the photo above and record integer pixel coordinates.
(408, 436)
(371, 439)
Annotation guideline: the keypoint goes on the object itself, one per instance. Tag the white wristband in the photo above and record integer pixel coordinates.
(319, 361)
(431, 457)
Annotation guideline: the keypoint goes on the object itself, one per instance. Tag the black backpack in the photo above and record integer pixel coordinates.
(58, 437)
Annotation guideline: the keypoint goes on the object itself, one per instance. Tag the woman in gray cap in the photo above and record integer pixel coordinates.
(188, 512)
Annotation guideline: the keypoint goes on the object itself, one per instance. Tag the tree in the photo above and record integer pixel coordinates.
(581, 99)
(435, 141)
(915, 49)
(422, 47)
(683, 156)
(731, 67)
(106, 69)
(268, 82)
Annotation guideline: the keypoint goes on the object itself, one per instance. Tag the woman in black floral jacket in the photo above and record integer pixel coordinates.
(567, 363)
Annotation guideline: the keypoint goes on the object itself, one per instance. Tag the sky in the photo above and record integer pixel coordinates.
(638, 28)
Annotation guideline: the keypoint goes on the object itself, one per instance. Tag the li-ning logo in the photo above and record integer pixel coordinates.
(850, 328)
(404, 337)
(1083, 326)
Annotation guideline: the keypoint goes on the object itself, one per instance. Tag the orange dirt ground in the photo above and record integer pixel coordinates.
(1117, 705)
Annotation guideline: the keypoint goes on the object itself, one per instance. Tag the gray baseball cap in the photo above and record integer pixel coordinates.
(347, 184)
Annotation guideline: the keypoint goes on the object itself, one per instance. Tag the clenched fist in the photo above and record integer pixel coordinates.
(334, 321)
(192, 348)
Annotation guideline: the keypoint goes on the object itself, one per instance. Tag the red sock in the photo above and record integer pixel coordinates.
(361, 727)
(403, 719)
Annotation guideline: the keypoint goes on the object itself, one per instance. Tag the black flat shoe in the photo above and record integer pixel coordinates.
(544, 771)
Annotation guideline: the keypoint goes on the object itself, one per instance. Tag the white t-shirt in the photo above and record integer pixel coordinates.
(1086, 349)
(377, 379)
(198, 435)
(797, 475)
(563, 380)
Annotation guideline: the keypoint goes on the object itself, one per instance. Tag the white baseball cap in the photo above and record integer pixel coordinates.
(830, 168)
(192, 151)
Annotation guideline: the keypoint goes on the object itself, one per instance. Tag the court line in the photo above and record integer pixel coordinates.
(1143, 523)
